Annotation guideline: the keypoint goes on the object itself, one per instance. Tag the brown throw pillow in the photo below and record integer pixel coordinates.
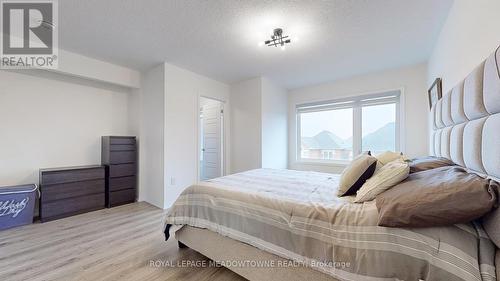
(491, 223)
(437, 197)
(356, 174)
(428, 163)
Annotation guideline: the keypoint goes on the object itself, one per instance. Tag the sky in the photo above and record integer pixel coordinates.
(340, 121)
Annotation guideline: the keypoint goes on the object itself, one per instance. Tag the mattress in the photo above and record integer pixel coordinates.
(214, 246)
(297, 215)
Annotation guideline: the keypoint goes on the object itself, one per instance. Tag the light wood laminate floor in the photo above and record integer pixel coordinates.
(111, 244)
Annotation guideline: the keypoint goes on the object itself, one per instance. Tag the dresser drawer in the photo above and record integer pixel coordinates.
(122, 147)
(121, 140)
(122, 170)
(66, 176)
(121, 157)
(119, 154)
(121, 197)
(121, 183)
(72, 206)
(68, 190)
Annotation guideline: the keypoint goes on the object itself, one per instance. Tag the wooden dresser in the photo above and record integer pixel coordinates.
(119, 156)
(70, 191)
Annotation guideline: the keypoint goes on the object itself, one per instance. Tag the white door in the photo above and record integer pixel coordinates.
(212, 140)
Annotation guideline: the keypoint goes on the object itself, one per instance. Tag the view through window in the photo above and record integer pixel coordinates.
(323, 139)
(327, 131)
(379, 128)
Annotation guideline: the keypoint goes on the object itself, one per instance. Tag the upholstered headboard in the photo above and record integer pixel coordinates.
(466, 127)
(466, 120)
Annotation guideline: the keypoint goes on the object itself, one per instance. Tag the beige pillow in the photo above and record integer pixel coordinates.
(388, 176)
(355, 175)
(389, 156)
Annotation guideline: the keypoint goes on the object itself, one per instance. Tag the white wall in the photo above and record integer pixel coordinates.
(182, 92)
(169, 130)
(49, 120)
(274, 125)
(151, 137)
(73, 64)
(413, 81)
(470, 34)
(246, 121)
(259, 125)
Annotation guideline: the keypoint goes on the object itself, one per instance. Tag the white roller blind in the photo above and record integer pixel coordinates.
(381, 98)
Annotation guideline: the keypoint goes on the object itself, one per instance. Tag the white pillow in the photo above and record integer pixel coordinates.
(388, 176)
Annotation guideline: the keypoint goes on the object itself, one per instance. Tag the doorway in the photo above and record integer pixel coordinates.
(211, 133)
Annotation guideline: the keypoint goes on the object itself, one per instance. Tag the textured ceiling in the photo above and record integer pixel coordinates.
(219, 38)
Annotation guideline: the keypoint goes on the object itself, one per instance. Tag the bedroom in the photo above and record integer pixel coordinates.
(249, 140)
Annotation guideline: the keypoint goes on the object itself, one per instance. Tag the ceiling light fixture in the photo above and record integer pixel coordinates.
(277, 39)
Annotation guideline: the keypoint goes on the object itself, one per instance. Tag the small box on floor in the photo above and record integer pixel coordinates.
(17, 204)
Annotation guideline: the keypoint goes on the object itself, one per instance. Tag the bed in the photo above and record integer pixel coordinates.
(290, 225)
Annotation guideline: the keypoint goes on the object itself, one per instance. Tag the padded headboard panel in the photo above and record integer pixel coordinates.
(466, 120)
(466, 128)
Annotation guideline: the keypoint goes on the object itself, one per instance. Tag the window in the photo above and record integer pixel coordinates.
(378, 128)
(326, 134)
(340, 130)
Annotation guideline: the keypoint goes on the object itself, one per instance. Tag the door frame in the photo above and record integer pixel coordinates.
(223, 135)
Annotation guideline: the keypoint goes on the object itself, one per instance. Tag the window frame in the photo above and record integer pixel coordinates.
(357, 102)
